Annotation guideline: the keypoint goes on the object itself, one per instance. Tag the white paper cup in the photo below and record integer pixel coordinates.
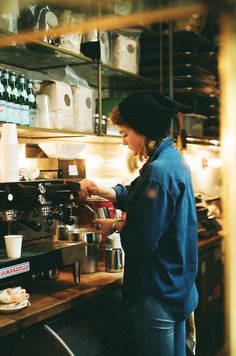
(13, 245)
(9, 134)
(43, 103)
(9, 162)
(44, 116)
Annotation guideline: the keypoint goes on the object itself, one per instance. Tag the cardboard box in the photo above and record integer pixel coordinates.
(124, 54)
(83, 108)
(61, 103)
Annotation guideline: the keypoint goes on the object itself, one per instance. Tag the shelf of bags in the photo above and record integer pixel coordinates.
(39, 55)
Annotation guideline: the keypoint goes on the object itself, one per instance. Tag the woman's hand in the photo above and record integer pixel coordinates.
(108, 226)
(104, 226)
(87, 188)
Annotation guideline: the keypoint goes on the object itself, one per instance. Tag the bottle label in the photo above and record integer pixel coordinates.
(2, 110)
(8, 89)
(31, 98)
(33, 113)
(9, 112)
(17, 114)
(15, 92)
(24, 94)
(13, 113)
(24, 117)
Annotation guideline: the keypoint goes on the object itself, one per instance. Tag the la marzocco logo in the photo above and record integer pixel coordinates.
(13, 270)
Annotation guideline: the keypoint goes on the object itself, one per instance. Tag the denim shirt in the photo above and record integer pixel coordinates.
(160, 234)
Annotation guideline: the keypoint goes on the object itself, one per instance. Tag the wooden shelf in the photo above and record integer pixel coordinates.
(35, 135)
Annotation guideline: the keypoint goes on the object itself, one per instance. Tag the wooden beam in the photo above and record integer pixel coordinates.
(106, 23)
(227, 68)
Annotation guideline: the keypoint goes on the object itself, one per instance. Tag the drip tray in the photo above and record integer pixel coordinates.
(39, 256)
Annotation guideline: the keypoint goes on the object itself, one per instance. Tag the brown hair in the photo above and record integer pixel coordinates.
(149, 145)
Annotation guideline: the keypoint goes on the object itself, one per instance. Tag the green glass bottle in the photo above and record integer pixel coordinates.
(2, 101)
(23, 100)
(14, 99)
(7, 96)
(32, 103)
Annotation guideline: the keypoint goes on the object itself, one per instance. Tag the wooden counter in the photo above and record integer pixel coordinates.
(49, 298)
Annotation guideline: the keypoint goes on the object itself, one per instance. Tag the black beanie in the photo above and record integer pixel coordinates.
(148, 112)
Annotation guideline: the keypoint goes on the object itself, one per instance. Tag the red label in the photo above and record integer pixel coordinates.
(13, 270)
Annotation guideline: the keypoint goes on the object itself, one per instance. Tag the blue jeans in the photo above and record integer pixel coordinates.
(156, 332)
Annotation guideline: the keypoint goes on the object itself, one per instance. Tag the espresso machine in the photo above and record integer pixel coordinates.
(33, 209)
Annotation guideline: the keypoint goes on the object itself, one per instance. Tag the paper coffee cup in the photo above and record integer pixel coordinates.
(9, 134)
(13, 245)
(44, 117)
(43, 103)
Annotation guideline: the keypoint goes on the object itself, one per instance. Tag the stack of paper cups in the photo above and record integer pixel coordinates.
(9, 153)
(44, 115)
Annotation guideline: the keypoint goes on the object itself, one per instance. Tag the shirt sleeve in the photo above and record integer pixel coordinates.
(121, 196)
(149, 216)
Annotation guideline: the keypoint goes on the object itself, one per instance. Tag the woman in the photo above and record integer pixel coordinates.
(159, 236)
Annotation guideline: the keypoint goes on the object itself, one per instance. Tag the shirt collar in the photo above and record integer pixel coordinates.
(167, 142)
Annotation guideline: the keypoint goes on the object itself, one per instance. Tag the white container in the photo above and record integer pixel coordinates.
(115, 240)
(9, 134)
(9, 163)
(9, 154)
(13, 245)
(43, 103)
(62, 150)
(44, 117)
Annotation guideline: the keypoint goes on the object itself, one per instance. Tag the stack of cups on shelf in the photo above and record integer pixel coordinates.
(9, 153)
(44, 115)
